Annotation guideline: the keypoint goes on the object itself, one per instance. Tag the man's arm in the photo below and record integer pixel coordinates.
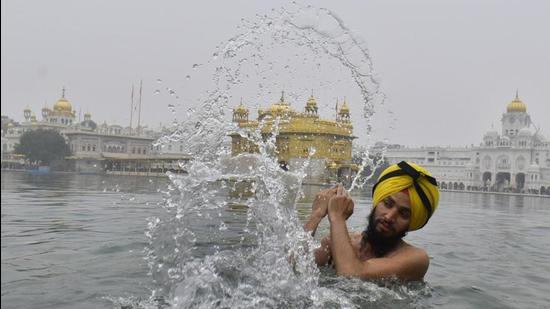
(323, 253)
(318, 210)
(313, 222)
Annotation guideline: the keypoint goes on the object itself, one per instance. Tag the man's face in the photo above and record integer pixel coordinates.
(393, 215)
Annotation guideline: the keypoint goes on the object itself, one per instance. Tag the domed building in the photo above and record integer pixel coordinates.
(302, 136)
(515, 160)
(89, 143)
(88, 124)
(62, 112)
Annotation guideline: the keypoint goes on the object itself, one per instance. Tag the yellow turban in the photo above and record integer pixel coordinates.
(390, 185)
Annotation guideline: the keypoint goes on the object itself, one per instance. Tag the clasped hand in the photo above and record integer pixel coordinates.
(335, 201)
(340, 205)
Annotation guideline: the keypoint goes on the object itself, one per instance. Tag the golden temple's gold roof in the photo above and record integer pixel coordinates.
(63, 105)
(300, 123)
(344, 109)
(516, 105)
(311, 102)
(241, 109)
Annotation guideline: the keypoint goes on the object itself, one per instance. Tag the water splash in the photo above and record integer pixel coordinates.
(249, 251)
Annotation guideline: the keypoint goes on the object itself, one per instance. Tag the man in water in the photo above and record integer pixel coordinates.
(404, 198)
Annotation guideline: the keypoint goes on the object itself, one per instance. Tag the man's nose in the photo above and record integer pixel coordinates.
(391, 214)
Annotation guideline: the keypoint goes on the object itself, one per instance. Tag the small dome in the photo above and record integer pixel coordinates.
(241, 109)
(505, 138)
(344, 109)
(90, 124)
(516, 105)
(311, 102)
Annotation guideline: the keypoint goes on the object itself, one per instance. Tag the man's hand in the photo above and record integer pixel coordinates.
(320, 204)
(319, 209)
(340, 206)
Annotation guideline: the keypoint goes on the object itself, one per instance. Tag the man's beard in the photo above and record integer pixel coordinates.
(380, 244)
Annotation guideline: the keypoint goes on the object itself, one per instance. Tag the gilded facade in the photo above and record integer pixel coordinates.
(301, 136)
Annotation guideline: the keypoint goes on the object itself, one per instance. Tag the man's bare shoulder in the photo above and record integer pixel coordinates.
(414, 256)
(409, 250)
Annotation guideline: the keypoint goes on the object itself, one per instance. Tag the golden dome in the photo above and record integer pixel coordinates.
(344, 109)
(280, 108)
(63, 105)
(516, 105)
(241, 109)
(311, 101)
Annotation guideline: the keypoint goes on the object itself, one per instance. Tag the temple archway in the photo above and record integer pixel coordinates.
(502, 180)
(520, 181)
(487, 178)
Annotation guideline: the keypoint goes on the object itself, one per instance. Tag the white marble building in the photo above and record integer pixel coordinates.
(88, 141)
(515, 160)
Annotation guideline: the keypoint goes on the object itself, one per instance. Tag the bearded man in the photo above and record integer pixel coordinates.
(404, 199)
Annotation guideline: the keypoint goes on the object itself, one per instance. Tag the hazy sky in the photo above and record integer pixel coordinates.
(448, 68)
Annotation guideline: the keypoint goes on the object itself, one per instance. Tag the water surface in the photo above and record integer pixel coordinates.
(77, 241)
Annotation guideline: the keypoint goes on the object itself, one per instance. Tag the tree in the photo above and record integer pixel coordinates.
(42, 146)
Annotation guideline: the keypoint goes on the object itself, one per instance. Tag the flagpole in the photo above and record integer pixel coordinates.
(131, 108)
(139, 111)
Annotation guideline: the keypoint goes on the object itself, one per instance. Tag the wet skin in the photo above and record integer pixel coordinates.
(352, 257)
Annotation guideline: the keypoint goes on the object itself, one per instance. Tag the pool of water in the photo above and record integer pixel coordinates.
(82, 241)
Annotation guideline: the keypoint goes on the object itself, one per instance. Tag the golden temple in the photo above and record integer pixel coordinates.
(302, 135)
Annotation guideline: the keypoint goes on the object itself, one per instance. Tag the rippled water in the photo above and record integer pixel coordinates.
(76, 241)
